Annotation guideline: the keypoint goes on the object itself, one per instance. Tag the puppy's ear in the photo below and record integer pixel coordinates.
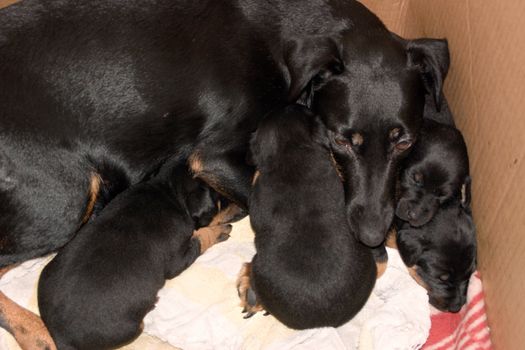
(263, 146)
(306, 58)
(466, 193)
(202, 204)
(432, 58)
(409, 245)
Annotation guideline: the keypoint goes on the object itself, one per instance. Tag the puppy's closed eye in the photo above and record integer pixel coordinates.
(444, 277)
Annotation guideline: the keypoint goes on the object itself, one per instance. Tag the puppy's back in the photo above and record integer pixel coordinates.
(309, 270)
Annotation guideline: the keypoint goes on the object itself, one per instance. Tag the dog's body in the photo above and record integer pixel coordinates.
(115, 89)
(443, 253)
(97, 290)
(309, 270)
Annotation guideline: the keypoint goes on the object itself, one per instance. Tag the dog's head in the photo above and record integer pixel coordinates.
(202, 202)
(369, 89)
(443, 253)
(281, 133)
(435, 173)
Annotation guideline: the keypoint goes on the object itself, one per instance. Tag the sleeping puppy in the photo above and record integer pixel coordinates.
(443, 254)
(309, 270)
(434, 175)
(97, 290)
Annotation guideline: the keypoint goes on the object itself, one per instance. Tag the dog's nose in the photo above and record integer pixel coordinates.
(455, 307)
(411, 215)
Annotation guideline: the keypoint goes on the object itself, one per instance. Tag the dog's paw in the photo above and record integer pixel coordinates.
(211, 235)
(249, 301)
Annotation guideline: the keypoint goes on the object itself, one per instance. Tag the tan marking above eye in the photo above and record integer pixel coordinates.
(395, 133)
(357, 139)
(418, 177)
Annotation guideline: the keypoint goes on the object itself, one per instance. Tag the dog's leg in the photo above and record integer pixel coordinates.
(381, 259)
(201, 240)
(226, 173)
(26, 327)
(249, 301)
(231, 213)
(211, 235)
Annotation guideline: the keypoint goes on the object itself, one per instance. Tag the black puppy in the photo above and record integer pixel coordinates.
(435, 174)
(309, 270)
(97, 290)
(443, 253)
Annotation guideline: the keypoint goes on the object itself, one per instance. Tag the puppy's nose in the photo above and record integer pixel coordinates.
(411, 215)
(455, 307)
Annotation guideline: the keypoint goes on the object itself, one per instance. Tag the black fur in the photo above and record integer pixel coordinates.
(123, 86)
(97, 290)
(444, 254)
(435, 175)
(309, 270)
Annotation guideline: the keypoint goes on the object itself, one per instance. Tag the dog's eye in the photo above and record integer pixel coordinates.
(403, 145)
(342, 142)
(444, 277)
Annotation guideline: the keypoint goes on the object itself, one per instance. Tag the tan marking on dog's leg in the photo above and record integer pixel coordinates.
(336, 166)
(381, 268)
(195, 163)
(255, 177)
(226, 215)
(208, 236)
(26, 327)
(243, 289)
(94, 189)
(391, 238)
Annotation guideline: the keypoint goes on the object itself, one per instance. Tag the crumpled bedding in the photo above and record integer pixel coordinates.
(199, 309)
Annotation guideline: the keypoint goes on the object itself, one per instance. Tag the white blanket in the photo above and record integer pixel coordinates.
(199, 309)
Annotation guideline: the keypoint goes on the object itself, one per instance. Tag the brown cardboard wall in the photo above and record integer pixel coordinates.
(486, 91)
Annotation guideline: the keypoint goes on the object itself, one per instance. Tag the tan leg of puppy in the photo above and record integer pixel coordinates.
(249, 301)
(211, 235)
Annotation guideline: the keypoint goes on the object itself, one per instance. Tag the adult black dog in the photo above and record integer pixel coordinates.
(97, 290)
(309, 270)
(111, 87)
(101, 93)
(443, 255)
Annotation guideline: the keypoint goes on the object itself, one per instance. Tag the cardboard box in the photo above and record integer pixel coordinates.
(485, 88)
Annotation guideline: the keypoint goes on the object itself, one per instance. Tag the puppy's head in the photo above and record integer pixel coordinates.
(443, 253)
(281, 133)
(202, 202)
(435, 173)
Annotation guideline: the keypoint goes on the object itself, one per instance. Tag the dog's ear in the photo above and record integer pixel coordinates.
(307, 58)
(263, 146)
(432, 58)
(466, 193)
(410, 246)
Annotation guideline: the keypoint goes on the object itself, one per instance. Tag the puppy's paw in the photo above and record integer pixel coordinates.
(249, 301)
(211, 235)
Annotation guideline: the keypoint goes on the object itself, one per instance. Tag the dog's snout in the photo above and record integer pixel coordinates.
(411, 215)
(370, 226)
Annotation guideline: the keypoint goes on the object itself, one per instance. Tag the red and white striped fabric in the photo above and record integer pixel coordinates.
(465, 330)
